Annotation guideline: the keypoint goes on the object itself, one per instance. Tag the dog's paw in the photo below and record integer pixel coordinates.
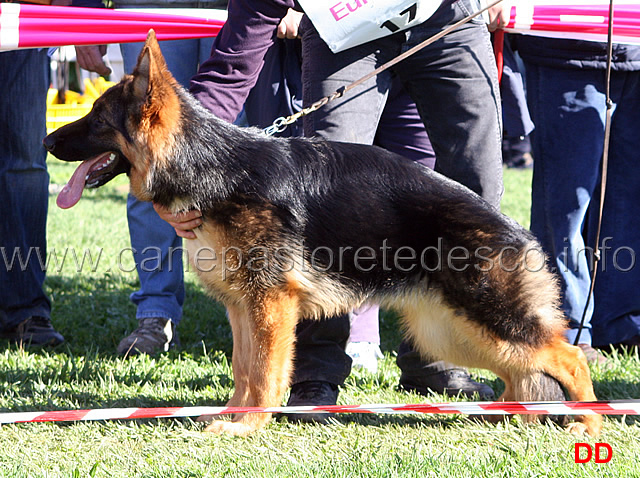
(206, 418)
(220, 427)
(577, 428)
(490, 419)
(587, 427)
(587, 424)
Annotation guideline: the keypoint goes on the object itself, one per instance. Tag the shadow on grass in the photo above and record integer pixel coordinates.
(94, 314)
(459, 420)
(404, 420)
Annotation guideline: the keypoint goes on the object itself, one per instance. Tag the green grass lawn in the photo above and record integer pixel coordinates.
(92, 310)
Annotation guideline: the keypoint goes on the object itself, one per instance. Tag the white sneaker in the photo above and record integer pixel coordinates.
(364, 355)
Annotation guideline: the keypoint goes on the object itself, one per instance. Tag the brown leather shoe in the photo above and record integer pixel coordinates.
(153, 335)
(593, 356)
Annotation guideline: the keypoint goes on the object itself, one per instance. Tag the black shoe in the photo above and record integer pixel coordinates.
(309, 394)
(523, 161)
(450, 382)
(629, 345)
(34, 331)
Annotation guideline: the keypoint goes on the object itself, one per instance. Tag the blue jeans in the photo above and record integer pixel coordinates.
(568, 109)
(24, 182)
(157, 249)
(454, 85)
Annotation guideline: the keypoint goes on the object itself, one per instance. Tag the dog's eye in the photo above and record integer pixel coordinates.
(99, 121)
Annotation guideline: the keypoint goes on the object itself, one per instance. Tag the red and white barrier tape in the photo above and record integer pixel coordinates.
(614, 407)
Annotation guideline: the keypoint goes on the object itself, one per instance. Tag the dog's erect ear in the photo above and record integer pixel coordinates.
(151, 69)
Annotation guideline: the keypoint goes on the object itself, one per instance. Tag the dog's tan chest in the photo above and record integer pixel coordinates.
(217, 262)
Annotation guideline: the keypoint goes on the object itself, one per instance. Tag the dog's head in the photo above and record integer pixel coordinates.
(128, 130)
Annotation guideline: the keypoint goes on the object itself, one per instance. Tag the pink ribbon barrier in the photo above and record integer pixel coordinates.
(35, 26)
(38, 26)
(614, 407)
(580, 22)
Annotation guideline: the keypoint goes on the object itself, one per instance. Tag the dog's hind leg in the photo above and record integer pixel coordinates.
(554, 365)
(532, 387)
(568, 365)
(529, 372)
(267, 361)
(540, 377)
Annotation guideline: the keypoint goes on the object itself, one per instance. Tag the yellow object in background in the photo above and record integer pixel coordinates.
(75, 105)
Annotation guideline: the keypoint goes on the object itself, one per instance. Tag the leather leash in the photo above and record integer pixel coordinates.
(605, 164)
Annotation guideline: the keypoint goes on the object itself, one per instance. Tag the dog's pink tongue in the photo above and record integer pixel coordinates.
(72, 191)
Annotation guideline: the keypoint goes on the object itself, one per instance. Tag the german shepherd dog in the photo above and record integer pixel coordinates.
(298, 228)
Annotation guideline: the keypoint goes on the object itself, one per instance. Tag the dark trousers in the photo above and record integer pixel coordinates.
(454, 85)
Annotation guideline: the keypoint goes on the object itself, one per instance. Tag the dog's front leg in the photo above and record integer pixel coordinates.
(241, 331)
(264, 361)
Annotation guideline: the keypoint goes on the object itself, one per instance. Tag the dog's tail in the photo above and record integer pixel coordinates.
(536, 387)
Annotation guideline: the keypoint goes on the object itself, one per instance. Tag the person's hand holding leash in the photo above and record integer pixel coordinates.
(499, 16)
(184, 223)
